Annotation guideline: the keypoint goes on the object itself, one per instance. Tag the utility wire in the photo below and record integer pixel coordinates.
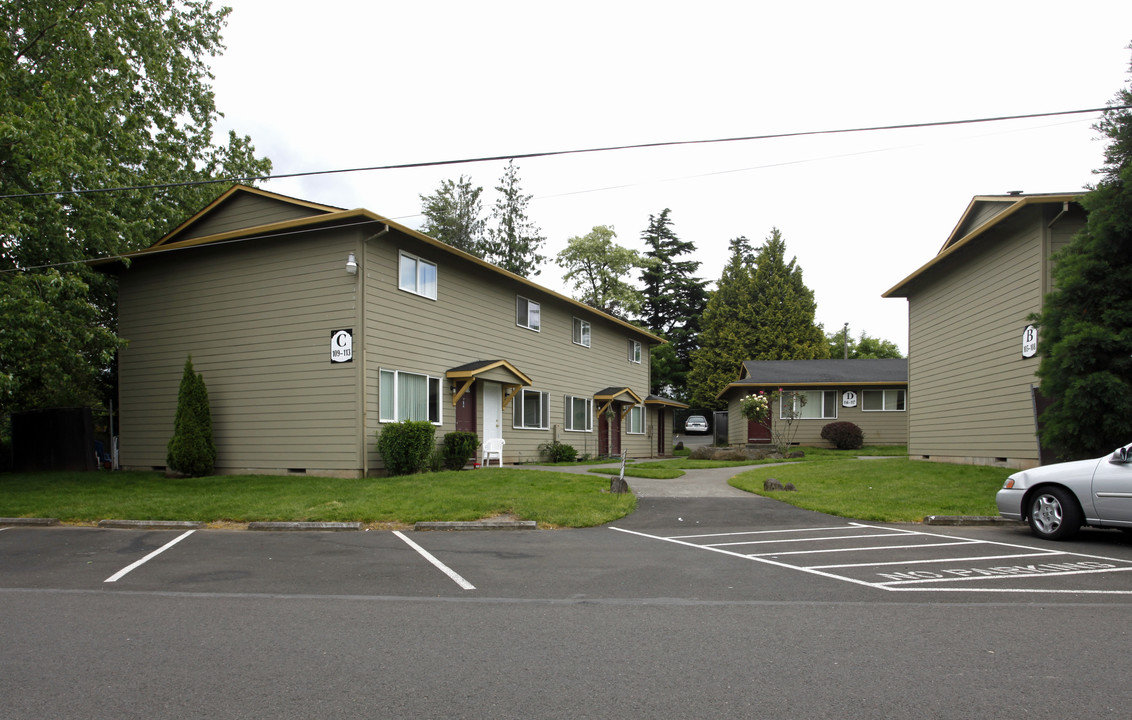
(552, 153)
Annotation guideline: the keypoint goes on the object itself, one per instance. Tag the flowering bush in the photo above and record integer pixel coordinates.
(757, 407)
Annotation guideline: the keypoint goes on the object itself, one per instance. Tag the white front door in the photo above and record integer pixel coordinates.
(492, 410)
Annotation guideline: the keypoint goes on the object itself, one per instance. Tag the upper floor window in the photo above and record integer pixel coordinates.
(527, 313)
(579, 413)
(634, 351)
(417, 276)
(581, 332)
(532, 410)
(882, 400)
(636, 420)
(408, 396)
(809, 405)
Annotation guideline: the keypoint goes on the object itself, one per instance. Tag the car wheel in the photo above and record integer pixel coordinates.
(1053, 514)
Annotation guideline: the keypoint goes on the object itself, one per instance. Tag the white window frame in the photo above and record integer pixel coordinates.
(419, 264)
(809, 402)
(902, 399)
(434, 402)
(581, 332)
(526, 322)
(519, 421)
(639, 411)
(635, 351)
(569, 413)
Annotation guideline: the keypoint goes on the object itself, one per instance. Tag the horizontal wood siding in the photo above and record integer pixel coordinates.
(473, 318)
(971, 384)
(879, 427)
(246, 211)
(256, 318)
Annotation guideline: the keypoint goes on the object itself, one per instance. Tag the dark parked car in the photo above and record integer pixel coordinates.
(1056, 500)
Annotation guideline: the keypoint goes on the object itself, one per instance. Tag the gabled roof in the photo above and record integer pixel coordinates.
(661, 400)
(316, 216)
(983, 213)
(812, 373)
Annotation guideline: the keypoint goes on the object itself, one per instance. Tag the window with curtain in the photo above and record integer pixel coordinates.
(636, 420)
(408, 396)
(417, 276)
(527, 313)
(819, 405)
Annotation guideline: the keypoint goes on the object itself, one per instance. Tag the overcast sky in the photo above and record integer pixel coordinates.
(353, 84)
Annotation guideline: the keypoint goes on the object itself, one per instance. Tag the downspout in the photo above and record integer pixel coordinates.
(364, 416)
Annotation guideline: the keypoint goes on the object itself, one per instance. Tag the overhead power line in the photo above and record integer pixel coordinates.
(552, 153)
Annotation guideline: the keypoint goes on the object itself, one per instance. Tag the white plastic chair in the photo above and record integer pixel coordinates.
(492, 448)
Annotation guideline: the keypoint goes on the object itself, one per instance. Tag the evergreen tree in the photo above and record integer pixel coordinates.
(728, 330)
(784, 308)
(761, 310)
(191, 450)
(1086, 322)
(453, 215)
(674, 303)
(513, 243)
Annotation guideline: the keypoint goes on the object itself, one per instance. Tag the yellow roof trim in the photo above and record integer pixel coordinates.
(242, 189)
(953, 244)
(338, 216)
(613, 396)
(491, 366)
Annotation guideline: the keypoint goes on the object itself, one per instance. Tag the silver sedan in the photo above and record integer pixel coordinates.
(1056, 500)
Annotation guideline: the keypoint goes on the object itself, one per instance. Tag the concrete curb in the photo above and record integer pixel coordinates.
(478, 525)
(29, 521)
(333, 526)
(151, 524)
(969, 520)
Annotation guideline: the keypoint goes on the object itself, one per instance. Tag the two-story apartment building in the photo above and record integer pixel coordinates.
(972, 352)
(314, 326)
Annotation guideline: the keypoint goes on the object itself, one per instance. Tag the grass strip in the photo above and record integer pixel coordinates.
(890, 490)
(550, 498)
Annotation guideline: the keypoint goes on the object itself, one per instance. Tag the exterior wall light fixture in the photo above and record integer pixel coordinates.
(352, 264)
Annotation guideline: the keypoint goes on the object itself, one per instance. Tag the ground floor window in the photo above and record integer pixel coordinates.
(882, 400)
(408, 396)
(636, 420)
(808, 405)
(579, 413)
(532, 410)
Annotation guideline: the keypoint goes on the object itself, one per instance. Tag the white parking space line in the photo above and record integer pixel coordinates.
(121, 573)
(959, 569)
(439, 565)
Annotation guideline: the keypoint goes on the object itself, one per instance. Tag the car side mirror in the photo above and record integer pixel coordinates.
(1121, 456)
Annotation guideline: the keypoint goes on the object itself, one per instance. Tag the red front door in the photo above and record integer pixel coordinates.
(757, 432)
(602, 435)
(466, 411)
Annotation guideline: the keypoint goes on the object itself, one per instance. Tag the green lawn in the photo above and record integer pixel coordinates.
(551, 498)
(890, 490)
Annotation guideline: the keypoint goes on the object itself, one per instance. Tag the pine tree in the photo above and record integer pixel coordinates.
(728, 330)
(513, 243)
(191, 450)
(1086, 322)
(453, 215)
(675, 300)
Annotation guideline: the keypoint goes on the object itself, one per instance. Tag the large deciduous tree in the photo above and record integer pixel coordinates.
(597, 267)
(865, 347)
(96, 95)
(513, 242)
(454, 215)
(674, 303)
(1086, 322)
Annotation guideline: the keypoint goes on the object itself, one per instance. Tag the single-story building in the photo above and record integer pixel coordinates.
(972, 349)
(872, 394)
(314, 326)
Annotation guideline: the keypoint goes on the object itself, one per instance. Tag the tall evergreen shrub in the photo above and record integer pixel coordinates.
(191, 450)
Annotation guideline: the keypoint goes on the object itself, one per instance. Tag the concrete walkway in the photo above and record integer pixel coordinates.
(692, 484)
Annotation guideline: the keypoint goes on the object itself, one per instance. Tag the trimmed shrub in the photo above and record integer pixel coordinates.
(844, 435)
(191, 450)
(557, 452)
(405, 447)
(459, 448)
